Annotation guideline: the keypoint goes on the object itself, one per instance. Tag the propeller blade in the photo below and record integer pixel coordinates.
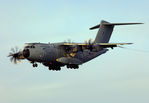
(14, 55)
(11, 59)
(12, 49)
(15, 61)
(16, 48)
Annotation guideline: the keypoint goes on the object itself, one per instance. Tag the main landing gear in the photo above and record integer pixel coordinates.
(57, 68)
(73, 66)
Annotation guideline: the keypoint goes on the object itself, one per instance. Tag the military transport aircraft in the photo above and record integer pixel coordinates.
(57, 55)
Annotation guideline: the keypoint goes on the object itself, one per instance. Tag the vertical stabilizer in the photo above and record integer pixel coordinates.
(104, 33)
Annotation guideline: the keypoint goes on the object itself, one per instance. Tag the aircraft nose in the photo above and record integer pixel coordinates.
(26, 53)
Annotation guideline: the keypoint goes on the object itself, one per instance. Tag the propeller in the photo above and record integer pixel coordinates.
(15, 55)
(89, 44)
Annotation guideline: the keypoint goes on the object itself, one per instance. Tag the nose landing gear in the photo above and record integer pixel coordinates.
(34, 64)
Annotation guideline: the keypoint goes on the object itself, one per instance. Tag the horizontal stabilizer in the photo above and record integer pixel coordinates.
(110, 24)
(111, 45)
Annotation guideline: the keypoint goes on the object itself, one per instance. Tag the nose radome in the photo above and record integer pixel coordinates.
(26, 53)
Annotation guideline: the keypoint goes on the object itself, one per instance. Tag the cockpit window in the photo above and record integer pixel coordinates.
(26, 46)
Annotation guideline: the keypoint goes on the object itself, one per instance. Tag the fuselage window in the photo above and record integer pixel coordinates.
(30, 47)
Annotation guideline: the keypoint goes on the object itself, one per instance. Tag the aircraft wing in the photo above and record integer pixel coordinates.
(105, 45)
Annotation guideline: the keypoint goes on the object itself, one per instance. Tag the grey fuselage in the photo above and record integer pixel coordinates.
(48, 53)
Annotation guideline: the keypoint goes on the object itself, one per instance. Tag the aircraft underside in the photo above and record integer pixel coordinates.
(71, 62)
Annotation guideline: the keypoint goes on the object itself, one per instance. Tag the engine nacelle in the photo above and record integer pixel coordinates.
(95, 48)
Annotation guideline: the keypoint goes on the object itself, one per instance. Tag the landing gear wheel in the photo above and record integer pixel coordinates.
(58, 68)
(73, 66)
(35, 65)
(55, 68)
